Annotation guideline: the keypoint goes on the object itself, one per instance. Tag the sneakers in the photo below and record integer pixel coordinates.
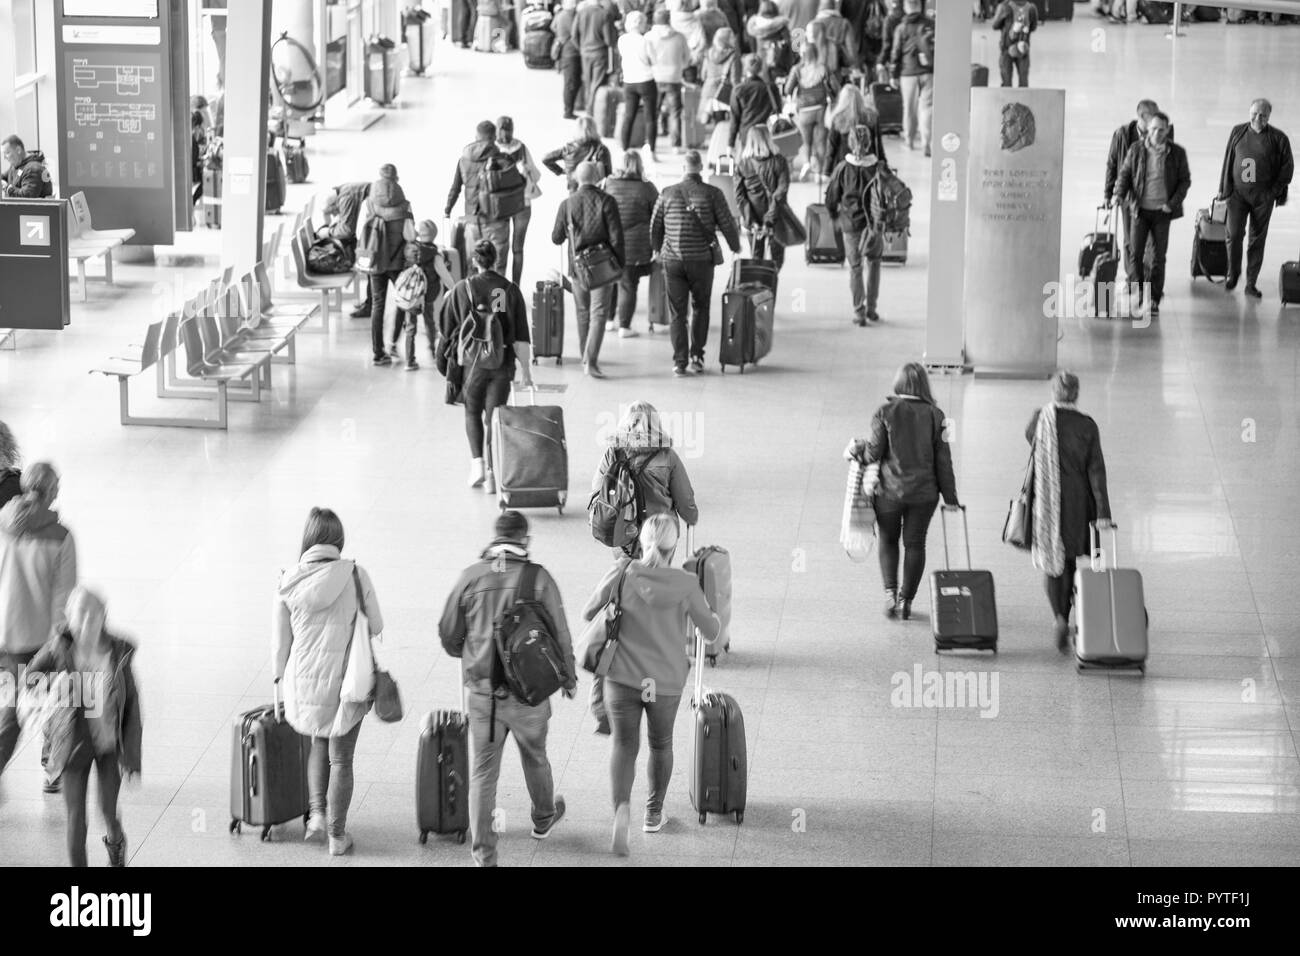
(654, 821)
(679, 371)
(1155, 310)
(382, 361)
(697, 366)
(361, 312)
(53, 785)
(413, 366)
(315, 828)
(116, 852)
(592, 369)
(611, 325)
(628, 333)
(860, 319)
(1253, 292)
(927, 152)
(1230, 283)
(891, 603)
(873, 316)
(477, 474)
(541, 833)
(394, 352)
(340, 845)
(622, 820)
(1061, 631)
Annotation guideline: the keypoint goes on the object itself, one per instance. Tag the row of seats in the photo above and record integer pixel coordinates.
(86, 242)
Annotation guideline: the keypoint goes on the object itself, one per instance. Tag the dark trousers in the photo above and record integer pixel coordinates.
(571, 71)
(378, 303)
(897, 522)
(689, 284)
(1258, 212)
(670, 99)
(626, 292)
(637, 96)
(595, 73)
(1060, 590)
(1020, 65)
(76, 782)
(1154, 224)
(467, 20)
(518, 233)
(483, 392)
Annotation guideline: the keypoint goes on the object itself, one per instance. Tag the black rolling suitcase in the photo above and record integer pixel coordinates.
(548, 322)
(746, 334)
(1288, 282)
(760, 272)
(979, 75)
(963, 609)
(1099, 263)
(442, 775)
(457, 254)
(887, 100)
(268, 769)
(296, 168)
(719, 760)
(1101, 241)
(825, 244)
(537, 49)
(275, 182)
(1210, 244)
(530, 457)
(657, 293)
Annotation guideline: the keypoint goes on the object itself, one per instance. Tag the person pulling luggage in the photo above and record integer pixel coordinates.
(762, 185)
(849, 199)
(635, 197)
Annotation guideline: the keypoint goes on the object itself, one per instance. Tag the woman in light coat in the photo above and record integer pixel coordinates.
(316, 609)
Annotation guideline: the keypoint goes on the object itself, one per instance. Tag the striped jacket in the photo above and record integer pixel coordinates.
(687, 216)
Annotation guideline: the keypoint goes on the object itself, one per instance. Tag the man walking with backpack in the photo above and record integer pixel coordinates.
(496, 598)
(849, 199)
(912, 68)
(1016, 19)
(483, 220)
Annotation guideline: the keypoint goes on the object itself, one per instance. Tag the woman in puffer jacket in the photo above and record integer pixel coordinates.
(719, 73)
(635, 197)
(664, 483)
(762, 184)
(909, 444)
(316, 609)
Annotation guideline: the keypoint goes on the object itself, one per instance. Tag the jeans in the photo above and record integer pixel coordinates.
(689, 281)
(1060, 590)
(1259, 212)
(918, 103)
(486, 739)
(468, 20)
(571, 71)
(378, 303)
(13, 665)
(864, 300)
(1154, 224)
(76, 782)
(495, 231)
(625, 292)
(910, 523)
(637, 96)
(329, 778)
(595, 74)
(518, 228)
(1020, 65)
(813, 132)
(484, 390)
(624, 705)
(670, 102)
(594, 307)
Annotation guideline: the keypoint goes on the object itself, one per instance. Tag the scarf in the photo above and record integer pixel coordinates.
(1048, 549)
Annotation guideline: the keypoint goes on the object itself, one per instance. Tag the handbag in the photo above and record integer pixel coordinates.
(785, 135)
(858, 525)
(715, 247)
(1017, 530)
(786, 227)
(595, 266)
(601, 635)
(381, 688)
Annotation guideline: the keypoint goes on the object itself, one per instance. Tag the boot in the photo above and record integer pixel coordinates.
(891, 603)
(116, 851)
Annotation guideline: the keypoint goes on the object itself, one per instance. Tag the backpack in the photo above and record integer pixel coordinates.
(479, 340)
(890, 202)
(529, 661)
(778, 55)
(328, 257)
(410, 289)
(616, 510)
(925, 43)
(1018, 40)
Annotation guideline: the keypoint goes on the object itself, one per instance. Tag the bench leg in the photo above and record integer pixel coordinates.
(81, 278)
(124, 407)
(324, 310)
(108, 266)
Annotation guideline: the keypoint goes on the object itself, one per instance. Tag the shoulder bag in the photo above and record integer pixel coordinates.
(379, 688)
(1017, 530)
(595, 266)
(601, 636)
(715, 247)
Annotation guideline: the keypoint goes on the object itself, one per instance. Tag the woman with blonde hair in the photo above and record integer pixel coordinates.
(635, 197)
(850, 111)
(762, 184)
(10, 474)
(654, 598)
(812, 85)
(586, 146)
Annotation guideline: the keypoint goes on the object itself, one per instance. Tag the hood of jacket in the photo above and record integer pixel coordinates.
(35, 156)
(25, 514)
(657, 587)
(764, 28)
(318, 579)
(723, 46)
(479, 151)
(853, 160)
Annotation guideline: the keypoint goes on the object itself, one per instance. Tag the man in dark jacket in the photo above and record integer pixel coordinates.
(687, 216)
(594, 30)
(848, 199)
(567, 56)
(482, 595)
(1154, 181)
(589, 219)
(1133, 131)
(912, 68)
(1257, 169)
(26, 177)
(752, 101)
(1016, 19)
(385, 215)
(344, 208)
(470, 169)
(893, 16)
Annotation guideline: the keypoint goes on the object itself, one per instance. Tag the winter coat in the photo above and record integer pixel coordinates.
(524, 160)
(907, 440)
(67, 729)
(30, 179)
(315, 620)
(760, 185)
(1084, 497)
(589, 218)
(396, 227)
(719, 74)
(38, 570)
(847, 198)
(766, 32)
(664, 483)
(471, 166)
(669, 53)
(565, 160)
(1133, 177)
(752, 102)
(837, 142)
(686, 218)
(343, 227)
(905, 49)
(635, 199)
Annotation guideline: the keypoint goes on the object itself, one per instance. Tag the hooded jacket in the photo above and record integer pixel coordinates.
(719, 72)
(905, 59)
(565, 160)
(915, 461)
(30, 179)
(395, 226)
(38, 570)
(315, 616)
(352, 197)
(484, 591)
(635, 199)
(654, 603)
(847, 198)
(838, 41)
(711, 21)
(664, 482)
(761, 184)
(473, 162)
(669, 53)
(767, 31)
(67, 729)
(524, 160)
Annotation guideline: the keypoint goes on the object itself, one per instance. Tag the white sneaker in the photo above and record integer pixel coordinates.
(315, 828)
(340, 845)
(611, 326)
(628, 333)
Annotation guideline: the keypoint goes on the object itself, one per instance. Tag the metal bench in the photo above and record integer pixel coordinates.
(87, 242)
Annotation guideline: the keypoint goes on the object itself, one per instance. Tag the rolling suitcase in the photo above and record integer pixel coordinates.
(825, 245)
(711, 566)
(530, 458)
(548, 322)
(963, 609)
(719, 759)
(760, 272)
(457, 253)
(887, 100)
(979, 75)
(537, 49)
(895, 249)
(1105, 275)
(296, 168)
(1288, 282)
(275, 182)
(636, 137)
(658, 296)
(723, 177)
(442, 775)
(491, 34)
(746, 326)
(417, 27)
(268, 772)
(1110, 609)
(719, 146)
(1101, 241)
(1209, 246)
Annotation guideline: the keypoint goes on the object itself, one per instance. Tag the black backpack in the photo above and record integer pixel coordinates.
(529, 661)
(616, 510)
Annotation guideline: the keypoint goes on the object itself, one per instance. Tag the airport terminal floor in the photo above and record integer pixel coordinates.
(1195, 763)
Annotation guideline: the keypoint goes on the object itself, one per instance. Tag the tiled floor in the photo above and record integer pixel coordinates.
(1195, 764)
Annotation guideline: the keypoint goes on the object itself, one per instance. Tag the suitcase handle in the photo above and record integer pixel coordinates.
(1101, 222)
(1096, 556)
(943, 520)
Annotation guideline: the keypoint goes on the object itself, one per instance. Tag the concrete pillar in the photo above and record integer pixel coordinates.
(8, 69)
(945, 291)
(243, 177)
(47, 91)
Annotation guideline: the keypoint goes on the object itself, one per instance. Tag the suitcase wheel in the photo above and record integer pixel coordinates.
(704, 817)
(713, 660)
(534, 359)
(559, 509)
(424, 837)
(723, 367)
(234, 826)
(559, 360)
(266, 834)
(740, 817)
(460, 837)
